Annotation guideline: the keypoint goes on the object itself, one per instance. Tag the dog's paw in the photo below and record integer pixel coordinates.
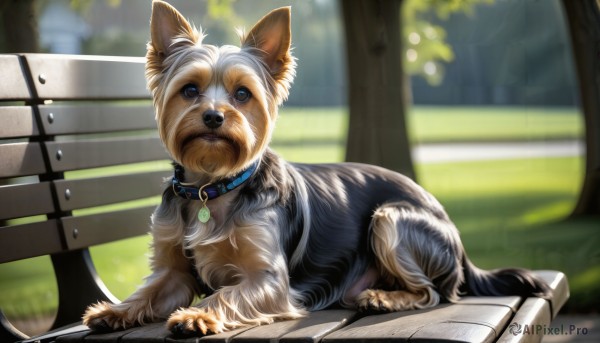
(195, 321)
(375, 300)
(372, 300)
(104, 317)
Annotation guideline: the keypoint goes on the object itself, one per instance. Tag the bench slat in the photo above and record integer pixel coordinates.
(512, 302)
(84, 231)
(471, 319)
(560, 286)
(76, 194)
(25, 200)
(155, 332)
(50, 336)
(96, 118)
(310, 329)
(21, 159)
(29, 240)
(74, 155)
(534, 311)
(17, 121)
(13, 85)
(481, 321)
(456, 332)
(60, 77)
(89, 338)
(149, 333)
(224, 337)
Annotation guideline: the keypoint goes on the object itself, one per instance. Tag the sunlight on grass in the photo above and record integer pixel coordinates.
(445, 124)
(118, 170)
(585, 286)
(122, 265)
(546, 213)
(512, 213)
(119, 206)
(28, 288)
(311, 153)
(430, 124)
(301, 125)
(511, 191)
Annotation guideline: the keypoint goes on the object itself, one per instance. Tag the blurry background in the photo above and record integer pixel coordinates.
(493, 123)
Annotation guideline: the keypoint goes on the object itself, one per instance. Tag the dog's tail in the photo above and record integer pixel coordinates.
(500, 282)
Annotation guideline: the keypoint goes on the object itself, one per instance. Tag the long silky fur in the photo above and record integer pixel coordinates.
(294, 237)
(504, 281)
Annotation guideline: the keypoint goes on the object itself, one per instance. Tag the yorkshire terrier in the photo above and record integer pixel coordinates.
(264, 239)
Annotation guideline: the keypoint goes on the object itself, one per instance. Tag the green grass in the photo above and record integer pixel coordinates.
(509, 212)
(315, 125)
(318, 134)
(123, 265)
(513, 213)
(27, 288)
(429, 124)
(474, 124)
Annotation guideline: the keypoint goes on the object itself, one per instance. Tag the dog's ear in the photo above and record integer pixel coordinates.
(271, 38)
(168, 28)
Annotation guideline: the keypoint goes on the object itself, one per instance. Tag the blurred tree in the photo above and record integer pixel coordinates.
(426, 48)
(219, 21)
(377, 85)
(584, 24)
(376, 35)
(20, 26)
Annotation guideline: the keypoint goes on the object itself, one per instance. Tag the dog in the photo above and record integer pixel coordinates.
(264, 239)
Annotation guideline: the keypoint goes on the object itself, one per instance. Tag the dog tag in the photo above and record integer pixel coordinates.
(204, 214)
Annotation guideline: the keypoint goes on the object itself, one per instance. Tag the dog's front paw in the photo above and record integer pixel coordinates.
(104, 317)
(372, 300)
(376, 300)
(193, 321)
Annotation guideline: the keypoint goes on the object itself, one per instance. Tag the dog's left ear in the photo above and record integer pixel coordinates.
(272, 38)
(168, 28)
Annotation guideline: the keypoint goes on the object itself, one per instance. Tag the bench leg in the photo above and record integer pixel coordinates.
(9, 333)
(78, 286)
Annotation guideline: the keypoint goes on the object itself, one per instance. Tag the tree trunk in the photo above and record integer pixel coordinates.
(377, 91)
(19, 19)
(583, 17)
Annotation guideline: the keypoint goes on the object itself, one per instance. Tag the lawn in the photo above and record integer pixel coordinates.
(510, 212)
(475, 124)
(318, 135)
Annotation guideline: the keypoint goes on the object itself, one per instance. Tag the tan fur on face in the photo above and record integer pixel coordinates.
(176, 57)
(246, 130)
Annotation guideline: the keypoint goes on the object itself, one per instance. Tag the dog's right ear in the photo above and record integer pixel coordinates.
(169, 29)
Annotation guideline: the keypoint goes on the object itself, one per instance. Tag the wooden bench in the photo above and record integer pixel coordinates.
(63, 114)
(67, 114)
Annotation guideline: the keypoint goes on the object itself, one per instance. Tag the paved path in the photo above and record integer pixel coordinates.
(460, 152)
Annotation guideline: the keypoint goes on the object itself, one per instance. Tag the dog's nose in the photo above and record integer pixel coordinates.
(213, 119)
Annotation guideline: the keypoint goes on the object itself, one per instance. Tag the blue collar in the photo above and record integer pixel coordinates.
(212, 190)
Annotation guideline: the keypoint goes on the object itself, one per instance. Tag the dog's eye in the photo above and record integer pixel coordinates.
(190, 91)
(242, 94)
